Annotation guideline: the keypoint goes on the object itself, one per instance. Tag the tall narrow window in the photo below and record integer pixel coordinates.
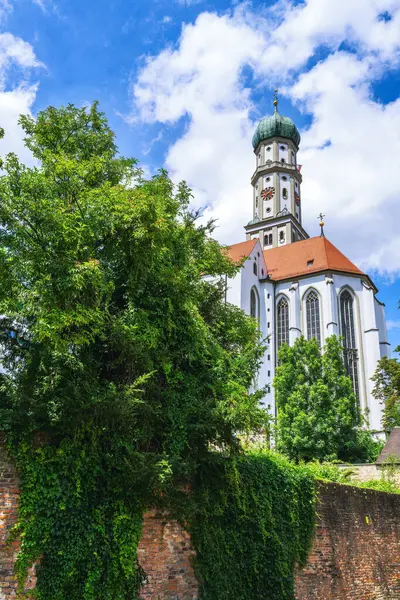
(254, 304)
(255, 268)
(313, 317)
(284, 193)
(347, 328)
(283, 322)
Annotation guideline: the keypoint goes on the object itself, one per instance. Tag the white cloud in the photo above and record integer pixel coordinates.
(18, 98)
(187, 3)
(46, 5)
(392, 325)
(12, 104)
(5, 9)
(352, 179)
(41, 4)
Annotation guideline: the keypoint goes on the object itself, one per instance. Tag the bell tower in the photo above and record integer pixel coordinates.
(276, 183)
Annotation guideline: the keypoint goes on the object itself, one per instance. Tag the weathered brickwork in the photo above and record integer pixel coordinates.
(9, 494)
(165, 554)
(356, 551)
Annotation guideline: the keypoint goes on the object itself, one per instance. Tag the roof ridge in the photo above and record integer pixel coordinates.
(325, 240)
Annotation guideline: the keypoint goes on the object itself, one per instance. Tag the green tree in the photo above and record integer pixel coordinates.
(387, 390)
(318, 414)
(128, 363)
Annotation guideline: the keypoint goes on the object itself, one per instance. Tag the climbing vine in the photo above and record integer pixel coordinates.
(77, 520)
(252, 525)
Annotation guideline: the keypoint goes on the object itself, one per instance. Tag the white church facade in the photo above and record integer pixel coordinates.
(296, 285)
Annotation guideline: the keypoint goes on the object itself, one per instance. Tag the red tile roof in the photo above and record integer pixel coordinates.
(391, 450)
(308, 256)
(241, 250)
(299, 258)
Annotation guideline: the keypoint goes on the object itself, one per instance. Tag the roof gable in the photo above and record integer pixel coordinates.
(242, 250)
(306, 257)
(391, 448)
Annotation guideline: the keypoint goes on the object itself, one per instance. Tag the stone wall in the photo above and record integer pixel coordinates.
(366, 472)
(355, 555)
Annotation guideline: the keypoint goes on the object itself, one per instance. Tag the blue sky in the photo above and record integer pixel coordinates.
(183, 84)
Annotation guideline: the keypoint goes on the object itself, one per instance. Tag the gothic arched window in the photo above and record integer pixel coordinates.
(282, 314)
(254, 309)
(313, 317)
(347, 329)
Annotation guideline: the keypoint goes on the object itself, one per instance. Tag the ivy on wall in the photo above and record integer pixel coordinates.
(78, 523)
(253, 523)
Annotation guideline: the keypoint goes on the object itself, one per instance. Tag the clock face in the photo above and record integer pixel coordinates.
(268, 193)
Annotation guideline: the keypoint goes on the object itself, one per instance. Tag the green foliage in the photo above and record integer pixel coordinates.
(253, 521)
(77, 520)
(348, 475)
(387, 391)
(129, 363)
(381, 485)
(318, 414)
(329, 472)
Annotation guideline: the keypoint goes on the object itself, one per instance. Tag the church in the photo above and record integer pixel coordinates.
(296, 285)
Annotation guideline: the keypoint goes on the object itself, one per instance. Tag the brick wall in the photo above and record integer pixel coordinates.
(9, 494)
(356, 551)
(165, 554)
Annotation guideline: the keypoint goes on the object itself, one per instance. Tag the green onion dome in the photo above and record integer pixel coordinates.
(276, 125)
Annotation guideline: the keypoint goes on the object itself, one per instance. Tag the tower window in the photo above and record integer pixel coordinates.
(268, 179)
(283, 160)
(283, 322)
(268, 148)
(284, 178)
(313, 317)
(283, 148)
(268, 210)
(284, 193)
(350, 353)
(268, 239)
(281, 236)
(256, 201)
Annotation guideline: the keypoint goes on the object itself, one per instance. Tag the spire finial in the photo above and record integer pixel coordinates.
(276, 100)
(321, 223)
